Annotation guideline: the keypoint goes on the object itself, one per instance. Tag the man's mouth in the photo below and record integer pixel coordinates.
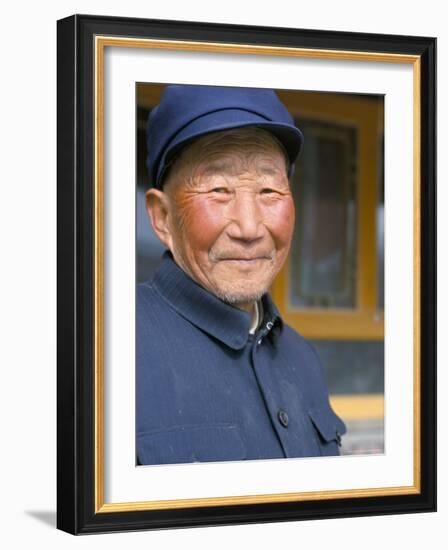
(242, 258)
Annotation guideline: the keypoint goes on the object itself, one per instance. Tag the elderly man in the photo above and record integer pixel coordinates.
(219, 375)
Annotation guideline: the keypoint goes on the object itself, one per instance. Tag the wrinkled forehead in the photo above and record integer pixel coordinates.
(220, 148)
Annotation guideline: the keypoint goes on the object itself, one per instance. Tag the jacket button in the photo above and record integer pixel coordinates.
(283, 418)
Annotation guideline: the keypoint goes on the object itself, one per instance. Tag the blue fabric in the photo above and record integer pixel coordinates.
(187, 112)
(207, 390)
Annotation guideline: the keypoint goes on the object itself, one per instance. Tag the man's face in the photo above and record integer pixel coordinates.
(230, 213)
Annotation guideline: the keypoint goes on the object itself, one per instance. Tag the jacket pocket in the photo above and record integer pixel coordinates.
(192, 443)
(329, 428)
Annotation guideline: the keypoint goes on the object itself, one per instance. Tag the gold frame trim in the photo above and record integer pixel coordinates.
(101, 42)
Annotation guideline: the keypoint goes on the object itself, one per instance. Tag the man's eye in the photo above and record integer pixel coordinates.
(220, 190)
(267, 190)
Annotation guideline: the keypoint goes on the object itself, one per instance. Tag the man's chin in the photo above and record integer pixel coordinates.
(240, 297)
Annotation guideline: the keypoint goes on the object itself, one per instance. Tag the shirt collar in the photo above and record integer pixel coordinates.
(228, 324)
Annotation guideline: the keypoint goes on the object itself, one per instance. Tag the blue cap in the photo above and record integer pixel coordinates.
(188, 112)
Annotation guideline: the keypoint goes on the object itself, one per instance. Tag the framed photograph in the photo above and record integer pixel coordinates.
(246, 274)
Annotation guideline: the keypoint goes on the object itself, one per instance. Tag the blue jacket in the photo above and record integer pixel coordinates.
(207, 390)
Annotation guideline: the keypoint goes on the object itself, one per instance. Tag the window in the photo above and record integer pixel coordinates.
(331, 287)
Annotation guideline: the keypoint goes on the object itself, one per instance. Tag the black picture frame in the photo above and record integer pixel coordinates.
(79, 504)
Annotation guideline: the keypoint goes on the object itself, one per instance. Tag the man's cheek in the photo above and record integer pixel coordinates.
(203, 223)
(281, 221)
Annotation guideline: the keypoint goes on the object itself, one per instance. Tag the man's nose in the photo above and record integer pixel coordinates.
(246, 217)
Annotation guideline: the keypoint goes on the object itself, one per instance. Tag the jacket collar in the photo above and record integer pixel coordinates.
(224, 322)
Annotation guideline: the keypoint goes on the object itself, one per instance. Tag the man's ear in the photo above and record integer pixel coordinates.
(159, 207)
